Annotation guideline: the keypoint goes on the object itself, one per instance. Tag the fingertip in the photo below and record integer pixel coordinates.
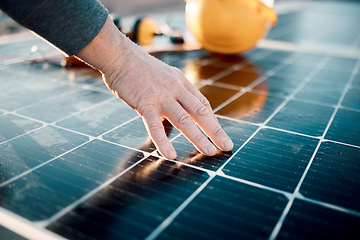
(228, 144)
(171, 154)
(210, 150)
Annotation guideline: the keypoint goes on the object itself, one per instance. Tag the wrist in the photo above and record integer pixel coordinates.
(106, 49)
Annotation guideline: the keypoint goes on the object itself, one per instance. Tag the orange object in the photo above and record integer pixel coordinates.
(229, 26)
(145, 31)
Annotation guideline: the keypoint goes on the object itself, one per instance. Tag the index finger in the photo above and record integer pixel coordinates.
(156, 131)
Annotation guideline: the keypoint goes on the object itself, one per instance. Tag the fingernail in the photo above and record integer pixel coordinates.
(171, 154)
(228, 144)
(210, 150)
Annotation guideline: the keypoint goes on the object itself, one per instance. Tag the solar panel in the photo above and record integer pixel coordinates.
(77, 163)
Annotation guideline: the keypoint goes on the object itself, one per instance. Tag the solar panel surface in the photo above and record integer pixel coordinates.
(78, 162)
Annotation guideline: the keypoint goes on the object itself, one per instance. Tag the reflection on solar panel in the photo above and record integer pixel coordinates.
(77, 162)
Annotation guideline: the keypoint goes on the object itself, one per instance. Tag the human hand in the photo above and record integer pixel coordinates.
(156, 91)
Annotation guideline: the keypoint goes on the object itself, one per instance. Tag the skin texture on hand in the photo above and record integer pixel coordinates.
(156, 91)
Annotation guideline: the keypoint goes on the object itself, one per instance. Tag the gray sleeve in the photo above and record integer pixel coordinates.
(68, 24)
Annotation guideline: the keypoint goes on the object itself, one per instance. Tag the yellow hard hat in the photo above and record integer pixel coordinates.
(229, 26)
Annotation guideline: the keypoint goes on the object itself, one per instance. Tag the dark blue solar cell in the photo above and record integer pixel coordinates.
(272, 158)
(308, 221)
(265, 65)
(331, 76)
(227, 209)
(100, 119)
(356, 81)
(280, 86)
(352, 99)
(30, 150)
(28, 90)
(320, 92)
(306, 118)
(334, 176)
(13, 126)
(342, 64)
(278, 56)
(133, 134)
(345, 127)
(180, 59)
(308, 59)
(8, 234)
(64, 105)
(297, 72)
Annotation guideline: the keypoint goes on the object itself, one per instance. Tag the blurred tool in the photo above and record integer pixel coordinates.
(229, 26)
(145, 29)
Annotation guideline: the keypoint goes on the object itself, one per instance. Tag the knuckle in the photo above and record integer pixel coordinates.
(202, 110)
(146, 107)
(177, 70)
(184, 119)
(154, 127)
(199, 138)
(219, 131)
(205, 102)
(144, 110)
